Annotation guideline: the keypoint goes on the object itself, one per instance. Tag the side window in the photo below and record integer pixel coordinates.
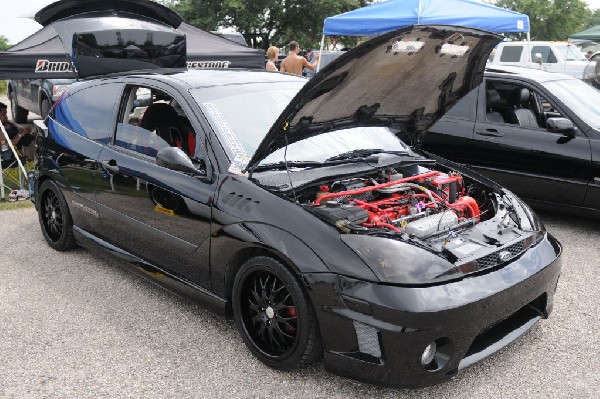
(511, 54)
(462, 109)
(152, 120)
(517, 104)
(546, 52)
(90, 112)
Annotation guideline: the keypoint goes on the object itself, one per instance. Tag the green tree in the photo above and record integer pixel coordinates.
(3, 43)
(550, 19)
(593, 20)
(266, 22)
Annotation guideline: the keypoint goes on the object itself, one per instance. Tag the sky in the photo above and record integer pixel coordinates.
(16, 28)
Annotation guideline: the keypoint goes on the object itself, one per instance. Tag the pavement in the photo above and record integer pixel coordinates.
(74, 325)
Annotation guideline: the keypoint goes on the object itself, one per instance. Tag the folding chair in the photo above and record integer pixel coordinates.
(12, 172)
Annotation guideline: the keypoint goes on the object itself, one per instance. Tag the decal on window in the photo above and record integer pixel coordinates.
(240, 158)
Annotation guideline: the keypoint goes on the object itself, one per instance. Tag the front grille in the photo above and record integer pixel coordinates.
(494, 259)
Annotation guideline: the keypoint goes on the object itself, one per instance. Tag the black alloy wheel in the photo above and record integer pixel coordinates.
(55, 218)
(274, 315)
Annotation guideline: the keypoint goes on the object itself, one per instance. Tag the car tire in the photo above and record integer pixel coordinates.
(274, 315)
(45, 107)
(19, 115)
(54, 217)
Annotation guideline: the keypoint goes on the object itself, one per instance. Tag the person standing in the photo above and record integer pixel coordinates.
(294, 63)
(310, 56)
(272, 55)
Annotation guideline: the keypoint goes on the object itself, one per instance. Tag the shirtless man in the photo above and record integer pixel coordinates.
(294, 63)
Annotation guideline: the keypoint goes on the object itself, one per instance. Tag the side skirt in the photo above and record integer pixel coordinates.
(164, 279)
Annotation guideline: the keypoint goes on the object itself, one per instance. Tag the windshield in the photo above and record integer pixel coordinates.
(570, 52)
(243, 114)
(326, 145)
(580, 97)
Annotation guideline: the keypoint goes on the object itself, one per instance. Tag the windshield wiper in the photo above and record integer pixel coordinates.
(359, 155)
(289, 164)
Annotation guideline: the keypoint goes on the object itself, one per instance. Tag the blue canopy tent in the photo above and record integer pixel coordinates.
(385, 16)
(388, 15)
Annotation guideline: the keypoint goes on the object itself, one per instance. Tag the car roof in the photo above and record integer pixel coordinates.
(524, 72)
(220, 77)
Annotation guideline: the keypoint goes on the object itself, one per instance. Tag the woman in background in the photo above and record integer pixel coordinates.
(272, 55)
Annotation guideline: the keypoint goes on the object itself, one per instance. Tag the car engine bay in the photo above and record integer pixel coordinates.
(437, 209)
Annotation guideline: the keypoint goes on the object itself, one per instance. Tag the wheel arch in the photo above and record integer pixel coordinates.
(245, 254)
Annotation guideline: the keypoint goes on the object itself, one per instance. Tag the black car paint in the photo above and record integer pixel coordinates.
(553, 171)
(224, 219)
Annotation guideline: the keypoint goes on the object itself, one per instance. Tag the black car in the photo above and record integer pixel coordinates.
(534, 132)
(291, 206)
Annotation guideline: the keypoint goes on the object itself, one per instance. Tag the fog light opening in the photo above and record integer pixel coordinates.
(437, 354)
(429, 354)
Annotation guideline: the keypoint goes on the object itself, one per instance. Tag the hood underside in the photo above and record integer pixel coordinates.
(406, 80)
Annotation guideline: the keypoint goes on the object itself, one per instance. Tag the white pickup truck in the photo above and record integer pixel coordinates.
(560, 57)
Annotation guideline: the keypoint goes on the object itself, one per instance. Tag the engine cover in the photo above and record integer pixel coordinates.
(432, 224)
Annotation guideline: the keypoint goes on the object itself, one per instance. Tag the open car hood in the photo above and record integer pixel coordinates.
(405, 79)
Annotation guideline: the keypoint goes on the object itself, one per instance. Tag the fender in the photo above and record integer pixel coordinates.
(233, 244)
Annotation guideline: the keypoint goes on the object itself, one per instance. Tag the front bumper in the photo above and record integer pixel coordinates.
(377, 333)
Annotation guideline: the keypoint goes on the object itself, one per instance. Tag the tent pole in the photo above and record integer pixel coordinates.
(529, 48)
(12, 148)
(320, 52)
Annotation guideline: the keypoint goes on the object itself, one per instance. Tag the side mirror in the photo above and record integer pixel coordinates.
(175, 159)
(560, 125)
(537, 58)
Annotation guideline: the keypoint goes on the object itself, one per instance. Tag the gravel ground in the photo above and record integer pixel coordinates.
(75, 325)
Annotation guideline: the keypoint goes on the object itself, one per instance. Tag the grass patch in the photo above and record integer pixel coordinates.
(7, 206)
(2, 86)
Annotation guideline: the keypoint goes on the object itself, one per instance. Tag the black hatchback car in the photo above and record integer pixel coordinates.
(534, 132)
(292, 206)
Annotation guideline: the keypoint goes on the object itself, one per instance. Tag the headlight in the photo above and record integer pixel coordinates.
(394, 261)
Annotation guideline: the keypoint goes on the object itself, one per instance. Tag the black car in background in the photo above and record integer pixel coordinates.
(534, 132)
(291, 206)
(34, 95)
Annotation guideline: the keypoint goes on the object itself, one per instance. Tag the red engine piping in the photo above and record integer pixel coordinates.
(357, 191)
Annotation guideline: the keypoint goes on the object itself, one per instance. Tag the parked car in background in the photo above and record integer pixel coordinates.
(290, 205)
(591, 75)
(534, 132)
(34, 95)
(559, 57)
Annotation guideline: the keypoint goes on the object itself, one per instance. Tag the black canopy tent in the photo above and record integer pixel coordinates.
(48, 53)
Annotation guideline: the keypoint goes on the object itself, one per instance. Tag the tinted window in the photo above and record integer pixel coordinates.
(463, 108)
(90, 112)
(546, 52)
(511, 54)
(152, 120)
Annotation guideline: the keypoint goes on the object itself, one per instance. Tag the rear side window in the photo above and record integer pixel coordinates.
(511, 54)
(546, 52)
(90, 112)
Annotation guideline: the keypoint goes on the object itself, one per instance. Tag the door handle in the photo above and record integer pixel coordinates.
(489, 133)
(110, 166)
